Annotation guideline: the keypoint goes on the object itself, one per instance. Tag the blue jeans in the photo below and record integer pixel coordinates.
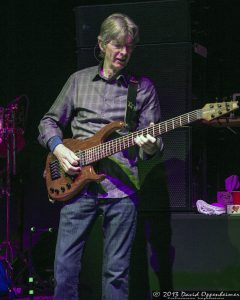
(119, 225)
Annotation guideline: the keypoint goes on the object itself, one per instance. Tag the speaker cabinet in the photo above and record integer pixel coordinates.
(159, 21)
(165, 183)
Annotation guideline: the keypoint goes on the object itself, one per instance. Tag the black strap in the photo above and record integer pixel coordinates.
(131, 112)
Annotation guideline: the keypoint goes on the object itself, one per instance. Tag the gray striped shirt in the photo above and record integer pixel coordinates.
(88, 101)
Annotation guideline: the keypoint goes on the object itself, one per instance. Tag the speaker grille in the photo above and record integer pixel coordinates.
(166, 183)
(159, 21)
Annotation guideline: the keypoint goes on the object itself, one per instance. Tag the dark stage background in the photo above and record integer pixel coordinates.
(40, 48)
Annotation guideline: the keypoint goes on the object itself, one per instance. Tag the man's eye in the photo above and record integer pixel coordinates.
(120, 46)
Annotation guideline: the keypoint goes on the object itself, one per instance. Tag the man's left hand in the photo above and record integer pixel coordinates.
(148, 143)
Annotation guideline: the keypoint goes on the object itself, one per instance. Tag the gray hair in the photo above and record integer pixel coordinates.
(116, 27)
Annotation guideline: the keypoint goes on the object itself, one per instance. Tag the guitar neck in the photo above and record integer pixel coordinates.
(111, 147)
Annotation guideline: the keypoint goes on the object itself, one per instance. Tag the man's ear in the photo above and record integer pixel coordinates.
(101, 44)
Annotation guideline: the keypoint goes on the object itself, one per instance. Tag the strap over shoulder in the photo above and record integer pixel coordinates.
(131, 111)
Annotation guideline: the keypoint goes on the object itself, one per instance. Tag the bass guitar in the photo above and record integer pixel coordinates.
(62, 186)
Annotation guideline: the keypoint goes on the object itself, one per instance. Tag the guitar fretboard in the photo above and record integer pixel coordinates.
(108, 148)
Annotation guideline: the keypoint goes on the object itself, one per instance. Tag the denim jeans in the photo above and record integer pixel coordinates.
(119, 225)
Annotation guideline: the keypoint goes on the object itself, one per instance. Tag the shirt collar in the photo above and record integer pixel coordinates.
(122, 77)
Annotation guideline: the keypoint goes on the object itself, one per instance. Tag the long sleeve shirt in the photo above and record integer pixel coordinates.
(89, 101)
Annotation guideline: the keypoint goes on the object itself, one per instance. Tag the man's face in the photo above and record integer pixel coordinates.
(117, 54)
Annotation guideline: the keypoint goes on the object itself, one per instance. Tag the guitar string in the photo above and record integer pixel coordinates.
(99, 151)
(102, 150)
(93, 154)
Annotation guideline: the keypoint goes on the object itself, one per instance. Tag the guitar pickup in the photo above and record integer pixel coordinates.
(81, 155)
(54, 169)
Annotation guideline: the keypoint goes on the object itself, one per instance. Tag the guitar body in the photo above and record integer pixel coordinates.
(61, 186)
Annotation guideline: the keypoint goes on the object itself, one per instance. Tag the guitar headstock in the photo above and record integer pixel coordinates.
(211, 111)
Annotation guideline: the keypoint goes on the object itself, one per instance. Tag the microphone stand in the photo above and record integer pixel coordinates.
(9, 139)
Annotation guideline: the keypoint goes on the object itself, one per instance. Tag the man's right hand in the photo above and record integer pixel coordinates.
(68, 159)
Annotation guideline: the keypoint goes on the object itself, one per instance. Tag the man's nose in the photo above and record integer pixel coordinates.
(124, 50)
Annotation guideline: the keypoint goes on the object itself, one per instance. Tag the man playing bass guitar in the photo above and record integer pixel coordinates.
(91, 99)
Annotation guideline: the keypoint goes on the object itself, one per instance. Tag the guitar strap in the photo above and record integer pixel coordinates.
(131, 111)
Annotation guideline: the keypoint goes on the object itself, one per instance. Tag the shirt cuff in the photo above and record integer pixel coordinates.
(53, 142)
